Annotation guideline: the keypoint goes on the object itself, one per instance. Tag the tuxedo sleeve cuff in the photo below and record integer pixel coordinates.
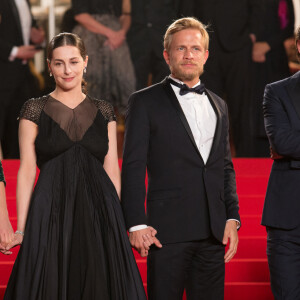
(138, 227)
(238, 222)
(13, 53)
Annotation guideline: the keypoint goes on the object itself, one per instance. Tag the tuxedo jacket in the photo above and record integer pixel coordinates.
(158, 137)
(10, 35)
(282, 123)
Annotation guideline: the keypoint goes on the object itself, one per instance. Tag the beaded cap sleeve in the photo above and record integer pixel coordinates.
(106, 109)
(2, 174)
(31, 110)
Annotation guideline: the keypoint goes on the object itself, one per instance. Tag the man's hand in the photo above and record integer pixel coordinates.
(230, 233)
(37, 35)
(259, 51)
(26, 52)
(6, 234)
(274, 155)
(141, 240)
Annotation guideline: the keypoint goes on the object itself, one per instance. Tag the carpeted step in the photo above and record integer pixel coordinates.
(255, 186)
(251, 204)
(5, 270)
(248, 291)
(252, 247)
(251, 226)
(238, 270)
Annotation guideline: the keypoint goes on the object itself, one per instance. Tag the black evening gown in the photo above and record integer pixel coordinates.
(75, 245)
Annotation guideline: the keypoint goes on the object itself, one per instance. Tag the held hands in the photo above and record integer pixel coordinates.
(230, 233)
(141, 240)
(17, 240)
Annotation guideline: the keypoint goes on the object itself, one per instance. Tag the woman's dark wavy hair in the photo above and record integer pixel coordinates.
(68, 39)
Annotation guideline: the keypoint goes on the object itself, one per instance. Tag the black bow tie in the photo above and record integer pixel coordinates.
(184, 89)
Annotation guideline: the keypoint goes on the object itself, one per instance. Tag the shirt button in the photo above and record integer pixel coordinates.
(149, 25)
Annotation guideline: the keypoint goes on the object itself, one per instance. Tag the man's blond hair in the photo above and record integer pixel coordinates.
(182, 24)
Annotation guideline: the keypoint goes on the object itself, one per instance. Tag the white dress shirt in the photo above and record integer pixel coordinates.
(201, 117)
(26, 21)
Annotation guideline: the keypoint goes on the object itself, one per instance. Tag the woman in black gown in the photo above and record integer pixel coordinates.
(75, 245)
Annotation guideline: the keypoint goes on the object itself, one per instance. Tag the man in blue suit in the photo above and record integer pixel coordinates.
(281, 214)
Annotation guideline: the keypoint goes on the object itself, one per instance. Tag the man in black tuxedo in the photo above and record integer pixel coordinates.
(17, 30)
(178, 130)
(233, 26)
(150, 19)
(282, 206)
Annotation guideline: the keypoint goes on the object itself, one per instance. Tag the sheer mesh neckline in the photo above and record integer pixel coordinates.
(31, 110)
(73, 121)
(52, 98)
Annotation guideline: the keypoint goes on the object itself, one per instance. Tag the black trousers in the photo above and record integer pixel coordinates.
(283, 250)
(197, 267)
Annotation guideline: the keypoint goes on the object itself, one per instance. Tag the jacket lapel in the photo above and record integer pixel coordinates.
(16, 16)
(176, 105)
(218, 130)
(293, 90)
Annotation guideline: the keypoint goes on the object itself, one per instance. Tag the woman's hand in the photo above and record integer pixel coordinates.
(17, 240)
(115, 39)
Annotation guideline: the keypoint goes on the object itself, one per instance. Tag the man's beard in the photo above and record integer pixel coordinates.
(186, 76)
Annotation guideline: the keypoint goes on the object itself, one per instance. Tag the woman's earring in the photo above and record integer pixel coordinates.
(50, 74)
(84, 70)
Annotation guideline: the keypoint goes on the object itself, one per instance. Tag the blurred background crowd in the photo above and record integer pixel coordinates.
(251, 44)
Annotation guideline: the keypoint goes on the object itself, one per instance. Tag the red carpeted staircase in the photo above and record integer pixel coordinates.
(247, 275)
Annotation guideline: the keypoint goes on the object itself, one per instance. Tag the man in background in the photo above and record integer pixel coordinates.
(228, 71)
(150, 19)
(17, 33)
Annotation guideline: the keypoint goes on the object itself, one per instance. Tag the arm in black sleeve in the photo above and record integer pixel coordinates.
(230, 195)
(136, 142)
(284, 139)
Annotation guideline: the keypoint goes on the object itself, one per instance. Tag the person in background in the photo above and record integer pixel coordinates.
(178, 131)
(103, 25)
(19, 36)
(6, 231)
(145, 37)
(71, 227)
(228, 71)
(282, 206)
(276, 24)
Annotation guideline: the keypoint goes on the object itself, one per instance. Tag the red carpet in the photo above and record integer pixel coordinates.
(247, 275)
